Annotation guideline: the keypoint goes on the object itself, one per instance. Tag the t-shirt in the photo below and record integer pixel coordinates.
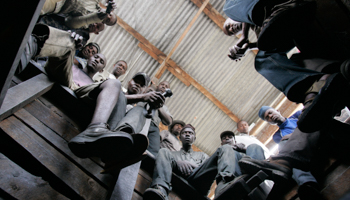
(169, 141)
(286, 127)
(248, 140)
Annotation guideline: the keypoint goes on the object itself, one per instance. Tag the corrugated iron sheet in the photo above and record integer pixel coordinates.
(202, 54)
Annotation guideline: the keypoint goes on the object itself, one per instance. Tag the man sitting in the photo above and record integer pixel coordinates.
(110, 102)
(169, 138)
(199, 170)
(308, 186)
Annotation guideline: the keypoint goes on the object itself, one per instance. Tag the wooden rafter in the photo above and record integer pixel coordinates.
(176, 70)
(163, 65)
(211, 12)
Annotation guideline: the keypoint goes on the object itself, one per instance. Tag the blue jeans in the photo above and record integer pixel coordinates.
(299, 176)
(240, 10)
(288, 76)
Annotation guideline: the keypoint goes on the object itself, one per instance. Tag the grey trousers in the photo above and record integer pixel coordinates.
(222, 165)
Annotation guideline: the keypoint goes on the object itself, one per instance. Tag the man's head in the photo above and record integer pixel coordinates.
(187, 135)
(227, 137)
(271, 115)
(231, 27)
(243, 127)
(110, 19)
(176, 127)
(163, 86)
(119, 68)
(96, 28)
(138, 82)
(89, 50)
(96, 63)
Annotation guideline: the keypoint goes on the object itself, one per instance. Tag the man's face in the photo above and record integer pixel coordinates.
(119, 69)
(89, 51)
(187, 136)
(135, 85)
(163, 86)
(96, 28)
(243, 127)
(273, 116)
(231, 27)
(176, 129)
(228, 139)
(97, 62)
(110, 19)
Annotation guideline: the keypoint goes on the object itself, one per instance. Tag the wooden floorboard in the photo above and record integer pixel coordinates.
(20, 184)
(88, 166)
(53, 160)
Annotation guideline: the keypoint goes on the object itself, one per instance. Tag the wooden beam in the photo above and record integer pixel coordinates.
(20, 95)
(160, 58)
(162, 67)
(174, 68)
(211, 12)
(16, 31)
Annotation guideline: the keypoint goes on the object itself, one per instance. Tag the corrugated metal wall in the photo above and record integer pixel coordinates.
(202, 54)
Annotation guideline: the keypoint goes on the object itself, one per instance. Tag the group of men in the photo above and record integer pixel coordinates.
(114, 131)
(317, 76)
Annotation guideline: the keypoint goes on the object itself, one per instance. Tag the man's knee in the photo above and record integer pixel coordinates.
(111, 84)
(163, 152)
(255, 147)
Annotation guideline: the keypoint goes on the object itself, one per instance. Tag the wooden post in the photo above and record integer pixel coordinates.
(15, 33)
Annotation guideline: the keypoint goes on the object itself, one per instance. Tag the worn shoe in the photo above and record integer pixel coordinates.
(156, 193)
(277, 28)
(235, 189)
(97, 140)
(309, 190)
(320, 109)
(345, 69)
(278, 170)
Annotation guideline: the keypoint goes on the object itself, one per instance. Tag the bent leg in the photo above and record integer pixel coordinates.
(284, 73)
(222, 165)
(255, 151)
(165, 162)
(302, 177)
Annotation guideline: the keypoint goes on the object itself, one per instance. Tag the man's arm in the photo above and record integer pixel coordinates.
(154, 98)
(165, 116)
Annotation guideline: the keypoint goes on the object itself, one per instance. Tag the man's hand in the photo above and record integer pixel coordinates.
(77, 38)
(155, 99)
(236, 52)
(240, 147)
(185, 167)
(102, 14)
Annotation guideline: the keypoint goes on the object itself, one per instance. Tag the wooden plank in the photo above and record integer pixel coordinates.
(163, 65)
(159, 58)
(53, 160)
(337, 183)
(20, 95)
(52, 120)
(20, 184)
(16, 31)
(88, 166)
